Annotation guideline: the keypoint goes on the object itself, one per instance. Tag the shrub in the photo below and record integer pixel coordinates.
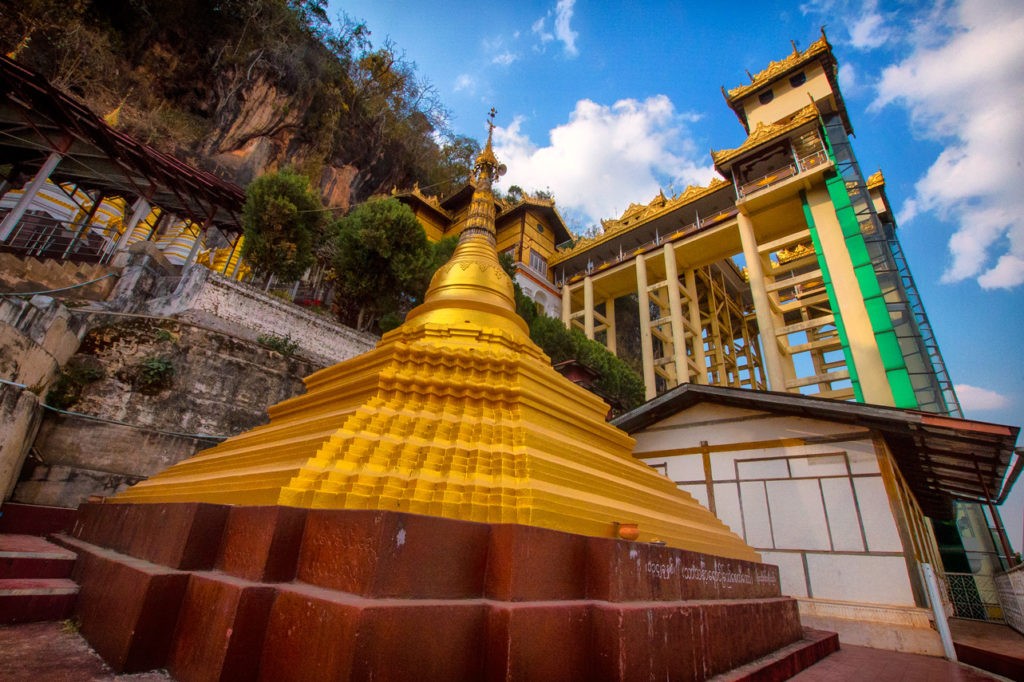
(282, 344)
(154, 374)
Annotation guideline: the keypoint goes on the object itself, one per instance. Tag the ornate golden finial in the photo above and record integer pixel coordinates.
(487, 169)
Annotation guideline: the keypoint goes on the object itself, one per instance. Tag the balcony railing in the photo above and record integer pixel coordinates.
(685, 231)
(802, 165)
(42, 237)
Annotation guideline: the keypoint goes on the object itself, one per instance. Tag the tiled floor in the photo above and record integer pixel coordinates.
(875, 665)
(51, 652)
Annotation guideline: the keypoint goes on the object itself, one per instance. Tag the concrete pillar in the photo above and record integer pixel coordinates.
(588, 307)
(609, 315)
(190, 261)
(140, 209)
(697, 341)
(772, 359)
(566, 306)
(675, 311)
(30, 192)
(874, 382)
(646, 341)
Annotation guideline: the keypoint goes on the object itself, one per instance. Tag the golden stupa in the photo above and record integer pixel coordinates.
(458, 414)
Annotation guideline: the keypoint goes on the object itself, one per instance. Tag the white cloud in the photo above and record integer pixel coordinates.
(464, 82)
(539, 27)
(605, 157)
(974, 398)
(563, 15)
(869, 30)
(963, 85)
(562, 31)
(505, 58)
(848, 83)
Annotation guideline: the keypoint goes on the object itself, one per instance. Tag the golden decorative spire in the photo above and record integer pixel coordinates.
(458, 414)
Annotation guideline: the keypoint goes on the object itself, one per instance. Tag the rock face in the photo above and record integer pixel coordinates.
(176, 381)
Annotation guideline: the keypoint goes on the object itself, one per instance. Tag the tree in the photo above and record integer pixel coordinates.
(382, 263)
(282, 218)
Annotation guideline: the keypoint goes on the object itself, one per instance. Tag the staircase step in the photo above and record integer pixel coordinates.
(787, 661)
(32, 519)
(27, 556)
(28, 600)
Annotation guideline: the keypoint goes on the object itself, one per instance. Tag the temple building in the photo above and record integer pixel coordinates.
(784, 274)
(529, 231)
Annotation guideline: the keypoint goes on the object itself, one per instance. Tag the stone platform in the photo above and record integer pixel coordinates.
(217, 592)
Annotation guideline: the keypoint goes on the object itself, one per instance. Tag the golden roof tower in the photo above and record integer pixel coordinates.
(458, 414)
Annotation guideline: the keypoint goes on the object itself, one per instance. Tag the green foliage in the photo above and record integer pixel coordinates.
(67, 389)
(382, 263)
(188, 69)
(164, 335)
(154, 374)
(282, 218)
(616, 379)
(282, 344)
(526, 307)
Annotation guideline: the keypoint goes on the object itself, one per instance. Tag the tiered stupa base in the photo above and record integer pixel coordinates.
(280, 593)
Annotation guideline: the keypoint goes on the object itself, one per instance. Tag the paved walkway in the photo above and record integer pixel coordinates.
(50, 652)
(874, 665)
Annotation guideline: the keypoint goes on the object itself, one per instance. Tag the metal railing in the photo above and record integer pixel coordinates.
(802, 165)
(1010, 589)
(974, 596)
(43, 237)
(633, 252)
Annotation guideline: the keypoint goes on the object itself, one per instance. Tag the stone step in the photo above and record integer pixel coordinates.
(786, 662)
(33, 519)
(28, 600)
(27, 556)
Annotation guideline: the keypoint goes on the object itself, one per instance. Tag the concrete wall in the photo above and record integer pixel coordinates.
(809, 495)
(150, 286)
(220, 386)
(37, 337)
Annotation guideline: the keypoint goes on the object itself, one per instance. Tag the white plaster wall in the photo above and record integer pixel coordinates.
(791, 571)
(860, 577)
(204, 295)
(823, 503)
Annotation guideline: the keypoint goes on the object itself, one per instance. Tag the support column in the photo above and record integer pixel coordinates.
(698, 329)
(772, 359)
(646, 342)
(140, 209)
(566, 305)
(609, 315)
(588, 307)
(190, 261)
(675, 312)
(29, 193)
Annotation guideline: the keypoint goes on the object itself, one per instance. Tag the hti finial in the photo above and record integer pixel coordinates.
(486, 163)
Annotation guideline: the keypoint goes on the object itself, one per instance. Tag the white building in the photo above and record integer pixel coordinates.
(836, 494)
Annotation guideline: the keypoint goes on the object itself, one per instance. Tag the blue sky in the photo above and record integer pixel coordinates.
(604, 104)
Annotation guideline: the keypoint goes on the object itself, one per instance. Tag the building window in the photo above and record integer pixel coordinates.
(798, 79)
(537, 262)
(540, 228)
(766, 96)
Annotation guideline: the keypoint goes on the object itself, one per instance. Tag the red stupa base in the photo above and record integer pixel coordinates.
(277, 593)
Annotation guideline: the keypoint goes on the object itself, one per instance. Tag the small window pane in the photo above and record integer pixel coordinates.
(798, 79)
(538, 263)
(765, 97)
